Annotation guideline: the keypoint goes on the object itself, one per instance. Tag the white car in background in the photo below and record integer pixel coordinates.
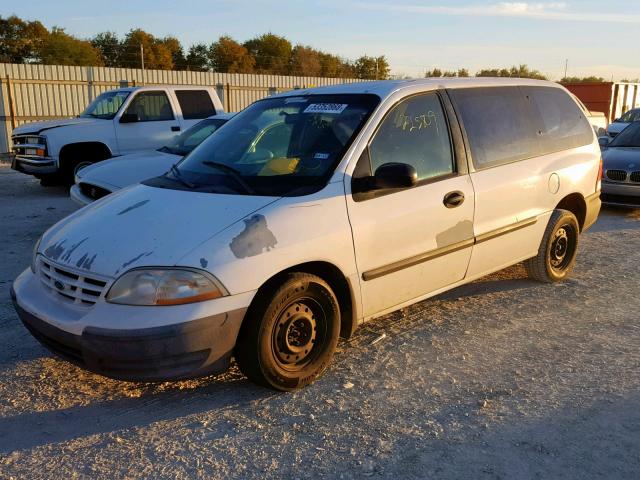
(101, 179)
(117, 122)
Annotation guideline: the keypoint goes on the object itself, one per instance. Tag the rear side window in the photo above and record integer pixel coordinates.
(498, 124)
(414, 132)
(195, 104)
(562, 123)
(151, 107)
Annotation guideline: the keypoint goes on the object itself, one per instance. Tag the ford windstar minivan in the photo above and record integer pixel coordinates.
(311, 212)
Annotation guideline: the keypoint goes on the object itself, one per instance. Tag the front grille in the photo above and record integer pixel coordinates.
(93, 191)
(617, 175)
(29, 146)
(68, 285)
(620, 199)
(635, 177)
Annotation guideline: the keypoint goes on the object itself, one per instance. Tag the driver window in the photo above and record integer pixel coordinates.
(151, 107)
(415, 132)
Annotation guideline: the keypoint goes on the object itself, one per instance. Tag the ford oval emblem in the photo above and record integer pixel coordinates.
(59, 285)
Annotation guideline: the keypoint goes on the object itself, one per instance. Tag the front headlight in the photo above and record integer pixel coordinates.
(164, 286)
(34, 256)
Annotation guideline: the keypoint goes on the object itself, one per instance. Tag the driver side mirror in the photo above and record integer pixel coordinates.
(129, 118)
(395, 175)
(603, 141)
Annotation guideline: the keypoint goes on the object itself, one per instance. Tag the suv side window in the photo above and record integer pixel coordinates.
(195, 104)
(498, 124)
(151, 107)
(415, 132)
(562, 123)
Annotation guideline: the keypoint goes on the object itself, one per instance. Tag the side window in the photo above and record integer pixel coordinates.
(151, 107)
(415, 132)
(498, 124)
(563, 125)
(195, 104)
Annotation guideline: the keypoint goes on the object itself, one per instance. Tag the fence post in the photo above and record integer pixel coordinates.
(12, 111)
(228, 97)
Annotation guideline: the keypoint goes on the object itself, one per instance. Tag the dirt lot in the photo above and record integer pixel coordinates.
(503, 378)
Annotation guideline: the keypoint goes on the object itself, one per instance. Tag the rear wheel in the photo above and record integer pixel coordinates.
(290, 335)
(558, 248)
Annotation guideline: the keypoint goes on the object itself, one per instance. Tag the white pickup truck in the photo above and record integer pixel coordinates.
(117, 122)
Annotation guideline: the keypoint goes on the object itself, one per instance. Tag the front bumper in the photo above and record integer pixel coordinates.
(32, 166)
(621, 194)
(199, 344)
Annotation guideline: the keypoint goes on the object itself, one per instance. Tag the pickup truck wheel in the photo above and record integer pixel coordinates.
(290, 335)
(558, 248)
(79, 166)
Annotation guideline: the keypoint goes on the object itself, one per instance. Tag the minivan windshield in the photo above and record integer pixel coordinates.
(281, 146)
(194, 136)
(629, 137)
(106, 105)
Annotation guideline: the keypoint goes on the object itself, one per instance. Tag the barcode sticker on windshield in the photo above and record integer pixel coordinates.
(336, 108)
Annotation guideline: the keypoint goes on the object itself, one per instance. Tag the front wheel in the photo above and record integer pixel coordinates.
(290, 335)
(557, 253)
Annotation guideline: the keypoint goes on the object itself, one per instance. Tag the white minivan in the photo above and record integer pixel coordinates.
(311, 212)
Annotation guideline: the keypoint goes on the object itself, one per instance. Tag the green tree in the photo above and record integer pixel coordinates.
(228, 56)
(110, 48)
(305, 61)
(462, 72)
(20, 41)
(271, 52)
(177, 53)
(59, 48)
(520, 71)
(198, 58)
(372, 68)
(435, 73)
(333, 66)
(590, 79)
(156, 54)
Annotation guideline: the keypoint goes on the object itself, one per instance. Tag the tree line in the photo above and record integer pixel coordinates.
(23, 41)
(31, 42)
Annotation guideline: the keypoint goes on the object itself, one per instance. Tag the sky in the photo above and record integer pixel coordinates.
(596, 37)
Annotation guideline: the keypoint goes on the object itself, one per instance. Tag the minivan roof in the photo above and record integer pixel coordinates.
(384, 88)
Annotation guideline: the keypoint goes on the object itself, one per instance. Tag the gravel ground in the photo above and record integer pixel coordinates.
(502, 378)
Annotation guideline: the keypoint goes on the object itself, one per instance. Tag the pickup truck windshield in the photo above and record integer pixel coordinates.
(282, 146)
(191, 138)
(105, 106)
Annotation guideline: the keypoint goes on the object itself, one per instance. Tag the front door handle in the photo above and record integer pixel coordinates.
(453, 199)
(175, 128)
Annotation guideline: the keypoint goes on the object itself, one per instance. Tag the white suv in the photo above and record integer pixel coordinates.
(309, 213)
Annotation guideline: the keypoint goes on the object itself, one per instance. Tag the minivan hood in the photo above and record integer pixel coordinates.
(37, 127)
(616, 127)
(143, 226)
(621, 158)
(120, 172)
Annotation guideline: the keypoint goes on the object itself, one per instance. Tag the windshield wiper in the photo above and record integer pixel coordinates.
(233, 172)
(178, 176)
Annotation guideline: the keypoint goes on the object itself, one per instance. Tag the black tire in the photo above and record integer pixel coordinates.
(50, 180)
(558, 248)
(290, 334)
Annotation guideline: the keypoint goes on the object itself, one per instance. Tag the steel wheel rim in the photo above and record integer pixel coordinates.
(298, 334)
(563, 246)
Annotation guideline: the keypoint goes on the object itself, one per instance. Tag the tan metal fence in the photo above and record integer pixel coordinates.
(44, 92)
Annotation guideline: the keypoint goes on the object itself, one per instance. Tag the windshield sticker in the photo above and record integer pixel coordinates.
(321, 156)
(335, 108)
(295, 100)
